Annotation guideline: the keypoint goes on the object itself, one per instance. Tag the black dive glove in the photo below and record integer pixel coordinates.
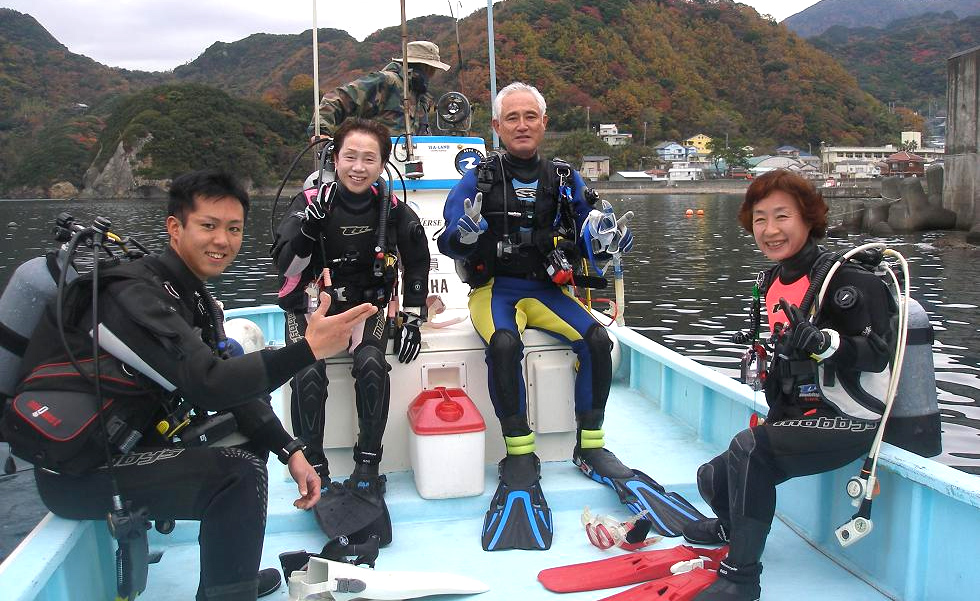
(408, 336)
(806, 337)
(316, 212)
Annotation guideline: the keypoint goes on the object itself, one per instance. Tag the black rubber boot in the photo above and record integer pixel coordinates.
(269, 581)
(600, 461)
(734, 584)
(366, 480)
(319, 462)
(738, 575)
(707, 532)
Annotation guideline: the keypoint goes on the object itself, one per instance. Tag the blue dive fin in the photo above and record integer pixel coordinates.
(519, 517)
(668, 511)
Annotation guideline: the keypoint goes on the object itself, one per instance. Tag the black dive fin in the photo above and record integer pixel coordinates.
(668, 511)
(519, 517)
(347, 509)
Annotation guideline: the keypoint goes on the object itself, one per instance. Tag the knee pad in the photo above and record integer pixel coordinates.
(249, 474)
(308, 401)
(505, 347)
(371, 393)
(504, 353)
(597, 339)
(739, 452)
(707, 483)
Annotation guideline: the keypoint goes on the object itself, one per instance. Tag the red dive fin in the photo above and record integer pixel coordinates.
(625, 569)
(677, 587)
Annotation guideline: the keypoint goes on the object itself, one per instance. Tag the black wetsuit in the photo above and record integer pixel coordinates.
(159, 314)
(803, 433)
(345, 242)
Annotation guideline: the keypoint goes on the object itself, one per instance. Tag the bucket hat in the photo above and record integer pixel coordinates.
(424, 52)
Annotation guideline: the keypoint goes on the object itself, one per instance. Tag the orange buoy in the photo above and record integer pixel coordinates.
(700, 211)
(689, 212)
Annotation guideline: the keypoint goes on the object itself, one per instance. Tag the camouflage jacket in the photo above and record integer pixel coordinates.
(376, 96)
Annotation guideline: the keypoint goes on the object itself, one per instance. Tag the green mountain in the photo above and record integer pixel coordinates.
(905, 63)
(51, 103)
(675, 65)
(825, 14)
(669, 68)
(192, 126)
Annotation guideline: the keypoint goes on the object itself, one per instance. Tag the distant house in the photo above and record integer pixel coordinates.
(621, 176)
(595, 167)
(856, 169)
(683, 171)
(670, 151)
(700, 143)
(761, 164)
(912, 137)
(609, 133)
(904, 164)
(831, 155)
(788, 151)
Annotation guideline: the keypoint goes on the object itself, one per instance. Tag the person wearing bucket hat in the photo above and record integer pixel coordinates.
(379, 95)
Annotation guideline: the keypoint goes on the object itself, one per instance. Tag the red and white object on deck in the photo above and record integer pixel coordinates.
(446, 444)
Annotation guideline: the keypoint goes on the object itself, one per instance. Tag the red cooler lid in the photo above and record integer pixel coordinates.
(444, 411)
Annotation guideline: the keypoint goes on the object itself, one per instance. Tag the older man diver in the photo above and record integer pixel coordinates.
(517, 224)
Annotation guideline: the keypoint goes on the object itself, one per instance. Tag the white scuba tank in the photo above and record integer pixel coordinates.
(914, 422)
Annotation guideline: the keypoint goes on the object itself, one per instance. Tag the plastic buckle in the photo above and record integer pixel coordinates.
(688, 565)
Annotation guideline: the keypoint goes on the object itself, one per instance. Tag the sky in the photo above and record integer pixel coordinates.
(159, 35)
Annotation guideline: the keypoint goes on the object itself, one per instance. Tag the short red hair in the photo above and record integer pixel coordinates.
(812, 205)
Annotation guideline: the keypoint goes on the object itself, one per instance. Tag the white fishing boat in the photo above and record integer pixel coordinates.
(666, 415)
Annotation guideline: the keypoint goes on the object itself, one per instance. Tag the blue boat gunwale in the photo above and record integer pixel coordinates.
(44, 565)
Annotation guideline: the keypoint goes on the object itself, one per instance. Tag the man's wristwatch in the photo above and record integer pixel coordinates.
(287, 451)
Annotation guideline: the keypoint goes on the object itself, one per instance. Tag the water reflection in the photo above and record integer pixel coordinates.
(689, 281)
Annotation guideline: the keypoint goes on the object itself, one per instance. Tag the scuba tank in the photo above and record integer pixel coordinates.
(914, 421)
(24, 299)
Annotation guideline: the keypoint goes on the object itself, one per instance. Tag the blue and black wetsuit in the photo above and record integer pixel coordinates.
(512, 290)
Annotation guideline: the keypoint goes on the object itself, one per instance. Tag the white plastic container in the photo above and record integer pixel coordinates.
(446, 444)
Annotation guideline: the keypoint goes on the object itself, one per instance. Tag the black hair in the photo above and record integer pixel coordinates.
(373, 128)
(206, 183)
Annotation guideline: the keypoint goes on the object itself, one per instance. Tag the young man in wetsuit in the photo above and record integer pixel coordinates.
(155, 312)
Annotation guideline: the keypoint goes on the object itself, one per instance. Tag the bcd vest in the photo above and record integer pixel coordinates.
(522, 227)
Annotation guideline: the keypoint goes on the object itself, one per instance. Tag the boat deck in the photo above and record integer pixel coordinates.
(443, 535)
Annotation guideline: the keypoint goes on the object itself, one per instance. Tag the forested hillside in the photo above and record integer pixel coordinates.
(670, 68)
(825, 14)
(48, 100)
(192, 126)
(906, 62)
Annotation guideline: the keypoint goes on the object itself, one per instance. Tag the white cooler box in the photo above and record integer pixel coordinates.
(446, 444)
